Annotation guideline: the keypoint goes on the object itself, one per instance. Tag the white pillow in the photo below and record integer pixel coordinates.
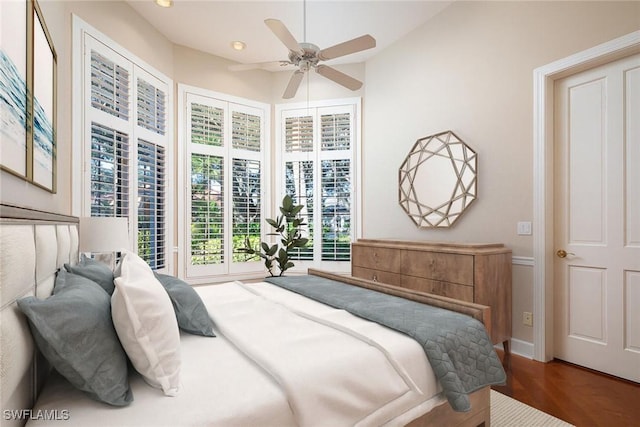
(146, 324)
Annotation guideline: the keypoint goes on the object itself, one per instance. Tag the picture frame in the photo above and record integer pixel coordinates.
(13, 86)
(43, 105)
(28, 98)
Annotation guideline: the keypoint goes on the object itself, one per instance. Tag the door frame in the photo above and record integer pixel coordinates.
(543, 180)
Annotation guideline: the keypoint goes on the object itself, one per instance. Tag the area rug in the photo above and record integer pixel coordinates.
(508, 412)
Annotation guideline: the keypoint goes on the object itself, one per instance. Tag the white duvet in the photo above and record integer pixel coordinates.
(279, 360)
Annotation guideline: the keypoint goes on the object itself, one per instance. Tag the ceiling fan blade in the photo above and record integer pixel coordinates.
(257, 65)
(281, 32)
(346, 48)
(339, 77)
(294, 84)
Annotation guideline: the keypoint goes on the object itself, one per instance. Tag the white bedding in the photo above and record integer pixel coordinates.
(221, 386)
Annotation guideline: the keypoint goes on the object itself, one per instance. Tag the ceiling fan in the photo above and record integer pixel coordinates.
(306, 56)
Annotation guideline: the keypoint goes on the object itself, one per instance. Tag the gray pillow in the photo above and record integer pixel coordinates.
(74, 331)
(94, 270)
(190, 311)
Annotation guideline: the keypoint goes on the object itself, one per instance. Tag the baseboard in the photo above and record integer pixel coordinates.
(519, 347)
(523, 260)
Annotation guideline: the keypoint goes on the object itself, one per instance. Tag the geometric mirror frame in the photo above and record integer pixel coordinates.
(438, 180)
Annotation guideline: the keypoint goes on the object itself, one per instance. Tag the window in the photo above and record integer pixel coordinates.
(124, 140)
(224, 175)
(317, 147)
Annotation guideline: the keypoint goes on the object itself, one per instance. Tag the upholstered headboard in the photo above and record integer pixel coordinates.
(33, 246)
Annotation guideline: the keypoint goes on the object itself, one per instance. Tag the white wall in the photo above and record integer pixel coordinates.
(470, 70)
(196, 68)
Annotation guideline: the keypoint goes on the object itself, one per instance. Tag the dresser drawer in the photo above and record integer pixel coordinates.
(383, 259)
(441, 266)
(376, 275)
(479, 273)
(445, 289)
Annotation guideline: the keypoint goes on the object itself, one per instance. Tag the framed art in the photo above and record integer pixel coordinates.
(13, 87)
(27, 94)
(43, 114)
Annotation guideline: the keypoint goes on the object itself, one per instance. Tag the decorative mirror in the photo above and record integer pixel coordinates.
(438, 180)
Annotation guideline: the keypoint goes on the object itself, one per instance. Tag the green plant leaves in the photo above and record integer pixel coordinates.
(288, 227)
(287, 203)
(301, 242)
(272, 251)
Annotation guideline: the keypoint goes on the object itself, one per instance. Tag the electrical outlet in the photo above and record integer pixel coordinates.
(527, 318)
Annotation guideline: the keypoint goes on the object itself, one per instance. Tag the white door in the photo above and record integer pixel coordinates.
(597, 218)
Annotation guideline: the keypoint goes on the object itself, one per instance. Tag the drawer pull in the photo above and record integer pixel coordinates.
(375, 278)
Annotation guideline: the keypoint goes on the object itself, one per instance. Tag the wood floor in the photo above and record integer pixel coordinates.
(576, 395)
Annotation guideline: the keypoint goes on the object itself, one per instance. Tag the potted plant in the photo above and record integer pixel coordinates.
(288, 227)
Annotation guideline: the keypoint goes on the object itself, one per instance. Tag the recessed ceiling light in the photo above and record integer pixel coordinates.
(164, 3)
(238, 45)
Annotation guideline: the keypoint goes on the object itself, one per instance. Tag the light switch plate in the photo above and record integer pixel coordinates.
(524, 228)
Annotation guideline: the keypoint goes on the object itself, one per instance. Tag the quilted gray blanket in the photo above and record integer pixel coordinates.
(457, 346)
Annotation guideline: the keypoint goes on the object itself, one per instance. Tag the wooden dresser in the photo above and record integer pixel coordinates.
(479, 273)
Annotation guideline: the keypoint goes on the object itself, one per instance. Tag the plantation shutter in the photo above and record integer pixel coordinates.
(128, 127)
(246, 179)
(109, 86)
(109, 150)
(247, 203)
(207, 209)
(109, 178)
(335, 130)
(151, 201)
(151, 204)
(225, 145)
(336, 209)
(335, 144)
(151, 107)
(246, 131)
(207, 125)
(317, 146)
(299, 185)
(299, 134)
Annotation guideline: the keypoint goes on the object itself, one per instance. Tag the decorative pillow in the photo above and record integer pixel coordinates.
(146, 324)
(190, 311)
(73, 330)
(95, 270)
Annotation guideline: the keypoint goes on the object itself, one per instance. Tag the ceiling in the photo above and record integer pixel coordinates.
(211, 25)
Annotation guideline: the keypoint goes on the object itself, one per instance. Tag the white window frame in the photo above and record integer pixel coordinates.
(228, 269)
(84, 39)
(316, 109)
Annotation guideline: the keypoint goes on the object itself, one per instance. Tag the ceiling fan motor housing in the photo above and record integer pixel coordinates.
(307, 55)
(308, 58)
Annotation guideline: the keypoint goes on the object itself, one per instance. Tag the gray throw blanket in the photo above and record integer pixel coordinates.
(457, 346)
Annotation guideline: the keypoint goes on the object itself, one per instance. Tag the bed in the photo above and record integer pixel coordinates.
(237, 378)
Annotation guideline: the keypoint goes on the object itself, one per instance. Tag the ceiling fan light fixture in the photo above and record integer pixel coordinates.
(164, 3)
(238, 45)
